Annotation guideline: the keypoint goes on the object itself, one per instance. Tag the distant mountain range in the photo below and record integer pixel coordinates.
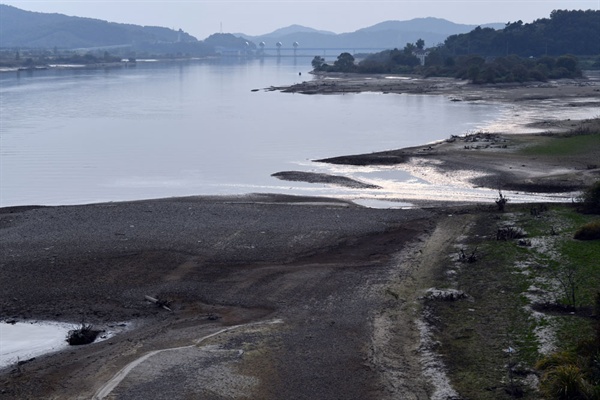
(388, 34)
(26, 29)
(19, 28)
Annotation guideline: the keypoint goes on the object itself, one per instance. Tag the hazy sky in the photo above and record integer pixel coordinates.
(201, 18)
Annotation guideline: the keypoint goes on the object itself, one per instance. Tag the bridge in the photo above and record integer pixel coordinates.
(315, 51)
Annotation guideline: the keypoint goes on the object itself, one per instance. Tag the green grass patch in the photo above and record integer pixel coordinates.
(564, 145)
(475, 333)
(573, 329)
(584, 256)
(570, 218)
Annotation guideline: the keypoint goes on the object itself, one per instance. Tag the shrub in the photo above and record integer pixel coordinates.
(564, 382)
(510, 232)
(590, 199)
(501, 201)
(555, 360)
(572, 374)
(590, 231)
(537, 74)
(560, 73)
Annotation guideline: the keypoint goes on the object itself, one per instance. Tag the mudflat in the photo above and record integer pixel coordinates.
(562, 157)
(316, 267)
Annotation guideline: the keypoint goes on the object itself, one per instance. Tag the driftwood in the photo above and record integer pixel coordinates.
(160, 303)
(85, 334)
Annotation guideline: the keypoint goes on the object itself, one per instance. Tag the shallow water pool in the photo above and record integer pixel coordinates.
(22, 341)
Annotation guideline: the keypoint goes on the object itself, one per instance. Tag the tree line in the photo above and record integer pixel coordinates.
(565, 32)
(475, 68)
(487, 56)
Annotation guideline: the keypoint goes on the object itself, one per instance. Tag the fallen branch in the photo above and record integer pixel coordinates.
(160, 303)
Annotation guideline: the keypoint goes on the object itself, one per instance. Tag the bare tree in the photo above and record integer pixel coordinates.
(569, 277)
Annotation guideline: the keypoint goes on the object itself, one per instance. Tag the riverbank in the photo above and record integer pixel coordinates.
(562, 156)
(457, 90)
(565, 158)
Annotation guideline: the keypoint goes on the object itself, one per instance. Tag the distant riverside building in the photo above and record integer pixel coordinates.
(228, 51)
(421, 54)
(235, 51)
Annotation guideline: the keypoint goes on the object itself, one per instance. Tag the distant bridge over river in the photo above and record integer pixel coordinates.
(314, 51)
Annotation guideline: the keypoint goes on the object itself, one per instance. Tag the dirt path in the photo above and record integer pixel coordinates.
(109, 386)
(449, 233)
(400, 346)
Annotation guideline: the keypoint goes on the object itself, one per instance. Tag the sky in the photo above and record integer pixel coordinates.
(201, 18)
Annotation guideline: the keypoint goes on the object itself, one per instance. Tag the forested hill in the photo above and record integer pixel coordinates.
(549, 48)
(19, 28)
(565, 32)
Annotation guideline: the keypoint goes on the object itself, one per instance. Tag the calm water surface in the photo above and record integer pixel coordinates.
(162, 130)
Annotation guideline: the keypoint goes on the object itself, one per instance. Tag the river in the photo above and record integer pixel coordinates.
(76, 136)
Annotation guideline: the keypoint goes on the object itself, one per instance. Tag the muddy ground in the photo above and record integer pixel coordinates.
(317, 268)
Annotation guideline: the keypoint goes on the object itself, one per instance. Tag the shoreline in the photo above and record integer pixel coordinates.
(497, 160)
(455, 89)
(104, 65)
(515, 162)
